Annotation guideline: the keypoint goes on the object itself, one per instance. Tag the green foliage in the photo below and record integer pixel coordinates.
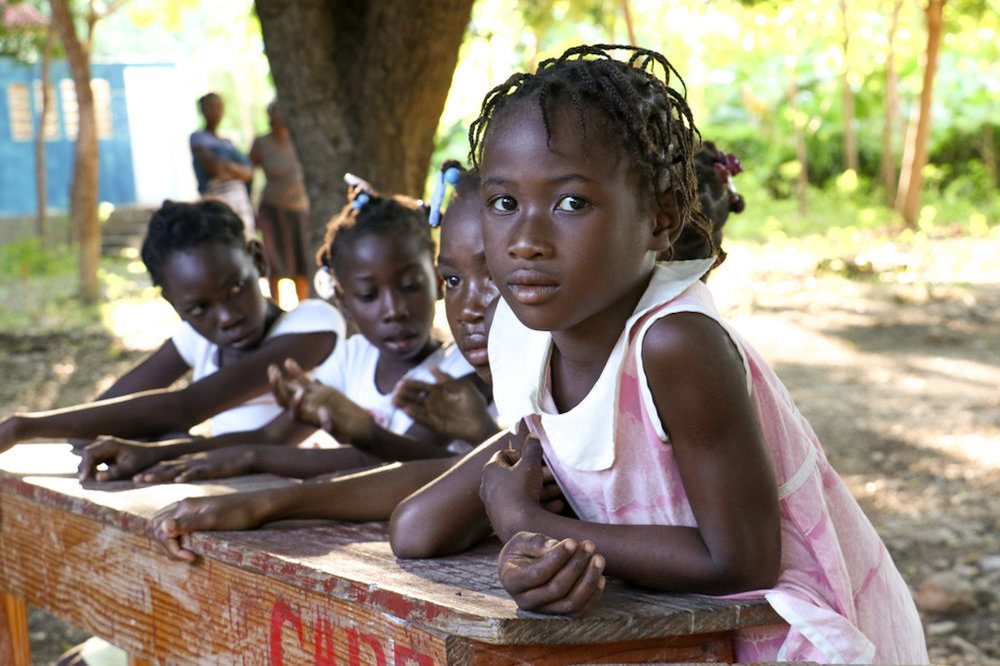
(27, 257)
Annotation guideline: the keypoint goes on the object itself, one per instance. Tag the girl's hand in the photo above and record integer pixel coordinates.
(548, 576)
(323, 406)
(511, 488)
(124, 458)
(453, 408)
(195, 514)
(216, 464)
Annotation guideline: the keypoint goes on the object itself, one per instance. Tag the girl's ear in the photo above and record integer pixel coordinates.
(256, 252)
(338, 297)
(667, 228)
(440, 286)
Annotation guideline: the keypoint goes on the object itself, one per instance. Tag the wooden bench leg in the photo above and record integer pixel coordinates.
(15, 648)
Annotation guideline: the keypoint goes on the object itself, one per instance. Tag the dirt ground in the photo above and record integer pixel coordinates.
(893, 356)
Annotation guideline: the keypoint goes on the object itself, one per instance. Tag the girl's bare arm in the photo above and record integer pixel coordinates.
(699, 388)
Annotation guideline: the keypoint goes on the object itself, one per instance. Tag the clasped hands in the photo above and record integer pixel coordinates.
(542, 574)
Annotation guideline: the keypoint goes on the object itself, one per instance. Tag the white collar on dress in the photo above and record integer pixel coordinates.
(583, 437)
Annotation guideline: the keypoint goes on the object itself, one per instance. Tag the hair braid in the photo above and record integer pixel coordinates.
(651, 118)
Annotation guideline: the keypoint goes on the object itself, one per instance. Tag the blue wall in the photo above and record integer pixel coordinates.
(17, 158)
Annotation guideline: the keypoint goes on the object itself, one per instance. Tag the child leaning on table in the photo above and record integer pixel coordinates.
(229, 334)
(686, 463)
(380, 255)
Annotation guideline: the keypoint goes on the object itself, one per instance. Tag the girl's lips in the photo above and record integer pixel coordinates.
(531, 288)
(476, 356)
(401, 342)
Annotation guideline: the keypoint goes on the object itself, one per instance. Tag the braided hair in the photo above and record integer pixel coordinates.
(368, 212)
(718, 199)
(179, 226)
(468, 180)
(651, 119)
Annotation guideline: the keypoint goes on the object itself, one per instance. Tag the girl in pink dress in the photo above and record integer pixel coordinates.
(686, 464)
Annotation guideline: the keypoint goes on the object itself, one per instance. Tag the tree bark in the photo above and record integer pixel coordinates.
(83, 191)
(41, 169)
(363, 84)
(891, 108)
(847, 100)
(911, 179)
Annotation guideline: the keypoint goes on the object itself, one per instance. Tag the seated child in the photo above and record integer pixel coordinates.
(683, 456)
(452, 407)
(380, 252)
(228, 335)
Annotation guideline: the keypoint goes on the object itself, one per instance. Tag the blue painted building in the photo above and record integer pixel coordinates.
(143, 113)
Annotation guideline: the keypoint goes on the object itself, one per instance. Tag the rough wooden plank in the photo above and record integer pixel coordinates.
(15, 648)
(706, 648)
(120, 587)
(340, 576)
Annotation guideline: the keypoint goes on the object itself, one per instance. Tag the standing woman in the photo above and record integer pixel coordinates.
(283, 216)
(222, 171)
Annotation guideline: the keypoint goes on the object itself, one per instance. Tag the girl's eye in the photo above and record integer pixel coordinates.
(451, 281)
(196, 311)
(239, 286)
(571, 203)
(504, 204)
(366, 297)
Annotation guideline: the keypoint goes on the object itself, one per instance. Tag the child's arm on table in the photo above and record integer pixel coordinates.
(446, 516)
(367, 495)
(144, 462)
(699, 387)
(162, 411)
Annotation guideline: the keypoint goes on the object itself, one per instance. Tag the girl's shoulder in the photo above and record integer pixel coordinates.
(311, 316)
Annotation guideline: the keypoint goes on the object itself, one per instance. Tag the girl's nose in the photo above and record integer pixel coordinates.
(228, 316)
(528, 239)
(394, 306)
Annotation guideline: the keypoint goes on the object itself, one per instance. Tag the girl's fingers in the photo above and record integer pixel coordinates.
(524, 566)
(439, 374)
(585, 593)
(560, 582)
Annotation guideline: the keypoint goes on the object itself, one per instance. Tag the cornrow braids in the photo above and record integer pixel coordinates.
(179, 226)
(651, 118)
(376, 215)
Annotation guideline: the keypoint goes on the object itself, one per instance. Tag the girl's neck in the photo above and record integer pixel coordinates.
(389, 370)
(580, 353)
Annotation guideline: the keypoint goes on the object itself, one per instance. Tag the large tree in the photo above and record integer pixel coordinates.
(363, 83)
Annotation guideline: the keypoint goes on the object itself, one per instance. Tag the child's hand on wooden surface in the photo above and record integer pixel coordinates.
(195, 514)
(216, 464)
(548, 576)
(125, 458)
(320, 405)
(512, 487)
(452, 407)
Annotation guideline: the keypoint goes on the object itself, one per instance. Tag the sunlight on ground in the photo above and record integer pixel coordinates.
(141, 325)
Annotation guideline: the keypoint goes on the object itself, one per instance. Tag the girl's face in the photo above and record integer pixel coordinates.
(214, 288)
(470, 295)
(387, 287)
(570, 236)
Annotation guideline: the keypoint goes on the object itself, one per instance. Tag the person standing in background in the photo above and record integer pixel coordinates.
(222, 171)
(283, 214)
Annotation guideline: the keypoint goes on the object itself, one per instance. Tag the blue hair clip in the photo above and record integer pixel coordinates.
(449, 175)
(361, 188)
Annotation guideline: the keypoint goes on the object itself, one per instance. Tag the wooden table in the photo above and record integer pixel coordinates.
(297, 593)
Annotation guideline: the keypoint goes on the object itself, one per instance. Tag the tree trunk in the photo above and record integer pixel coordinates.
(41, 168)
(83, 191)
(847, 100)
(363, 84)
(891, 108)
(911, 179)
(628, 22)
(802, 182)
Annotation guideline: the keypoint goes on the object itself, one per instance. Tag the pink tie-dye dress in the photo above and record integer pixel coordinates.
(839, 590)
